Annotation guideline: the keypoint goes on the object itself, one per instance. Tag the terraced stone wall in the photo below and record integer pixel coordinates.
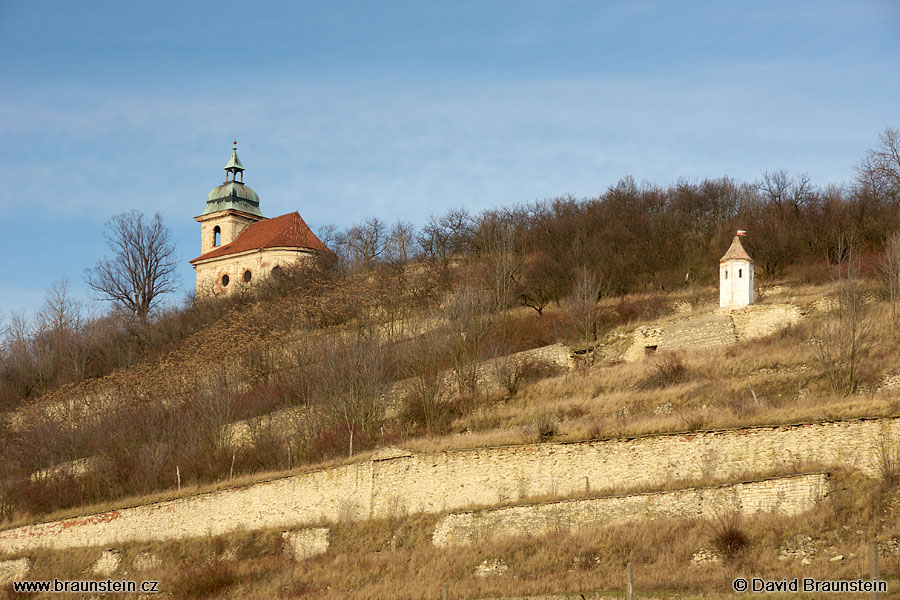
(718, 329)
(397, 482)
(784, 495)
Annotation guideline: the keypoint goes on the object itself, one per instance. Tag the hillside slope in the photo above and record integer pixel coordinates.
(265, 355)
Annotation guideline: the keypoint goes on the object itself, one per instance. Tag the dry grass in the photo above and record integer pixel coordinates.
(700, 390)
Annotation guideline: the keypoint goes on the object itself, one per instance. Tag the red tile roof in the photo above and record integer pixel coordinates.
(286, 231)
(736, 251)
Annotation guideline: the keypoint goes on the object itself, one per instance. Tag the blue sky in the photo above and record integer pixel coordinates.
(400, 110)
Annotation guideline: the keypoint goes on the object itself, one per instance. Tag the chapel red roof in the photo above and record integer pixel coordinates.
(736, 251)
(286, 231)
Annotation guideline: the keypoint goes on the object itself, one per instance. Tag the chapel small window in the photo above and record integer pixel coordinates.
(726, 274)
(740, 273)
(217, 235)
(225, 280)
(247, 276)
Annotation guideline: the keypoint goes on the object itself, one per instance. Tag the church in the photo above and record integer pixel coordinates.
(238, 245)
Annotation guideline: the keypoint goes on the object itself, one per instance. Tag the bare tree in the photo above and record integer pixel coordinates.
(142, 267)
(503, 260)
(352, 380)
(470, 319)
(60, 310)
(59, 333)
(880, 169)
(18, 364)
(890, 272)
(443, 238)
(786, 192)
(327, 234)
(362, 245)
(543, 281)
(400, 244)
(426, 361)
(846, 336)
(582, 307)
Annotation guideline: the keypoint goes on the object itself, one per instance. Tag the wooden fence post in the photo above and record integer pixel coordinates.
(446, 592)
(873, 567)
(629, 582)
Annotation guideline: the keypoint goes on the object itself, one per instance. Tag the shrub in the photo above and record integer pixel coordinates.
(7, 502)
(334, 442)
(204, 581)
(545, 426)
(638, 308)
(729, 538)
(510, 372)
(46, 494)
(429, 411)
(667, 369)
(888, 455)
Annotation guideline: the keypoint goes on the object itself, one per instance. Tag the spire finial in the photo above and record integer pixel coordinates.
(234, 165)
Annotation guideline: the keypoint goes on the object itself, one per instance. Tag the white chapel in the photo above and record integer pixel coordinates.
(735, 276)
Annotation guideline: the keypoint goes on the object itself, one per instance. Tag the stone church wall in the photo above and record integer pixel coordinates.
(400, 482)
(258, 262)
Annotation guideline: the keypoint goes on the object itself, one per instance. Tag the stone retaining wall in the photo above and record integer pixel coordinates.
(784, 495)
(13, 570)
(760, 320)
(301, 544)
(718, 329)
(398, 482)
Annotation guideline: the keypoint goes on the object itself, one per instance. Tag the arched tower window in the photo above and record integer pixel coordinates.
(217, 235)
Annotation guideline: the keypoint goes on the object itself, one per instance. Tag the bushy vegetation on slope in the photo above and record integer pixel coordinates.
(149, 398)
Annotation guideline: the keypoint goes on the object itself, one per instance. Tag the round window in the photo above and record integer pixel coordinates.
(248, 275)
(225, 279)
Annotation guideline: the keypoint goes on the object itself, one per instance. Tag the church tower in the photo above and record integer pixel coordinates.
(239, 246)
(736, 276)
(230, 208)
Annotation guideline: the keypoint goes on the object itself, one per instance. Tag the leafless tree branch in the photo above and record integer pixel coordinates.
(142, 267)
